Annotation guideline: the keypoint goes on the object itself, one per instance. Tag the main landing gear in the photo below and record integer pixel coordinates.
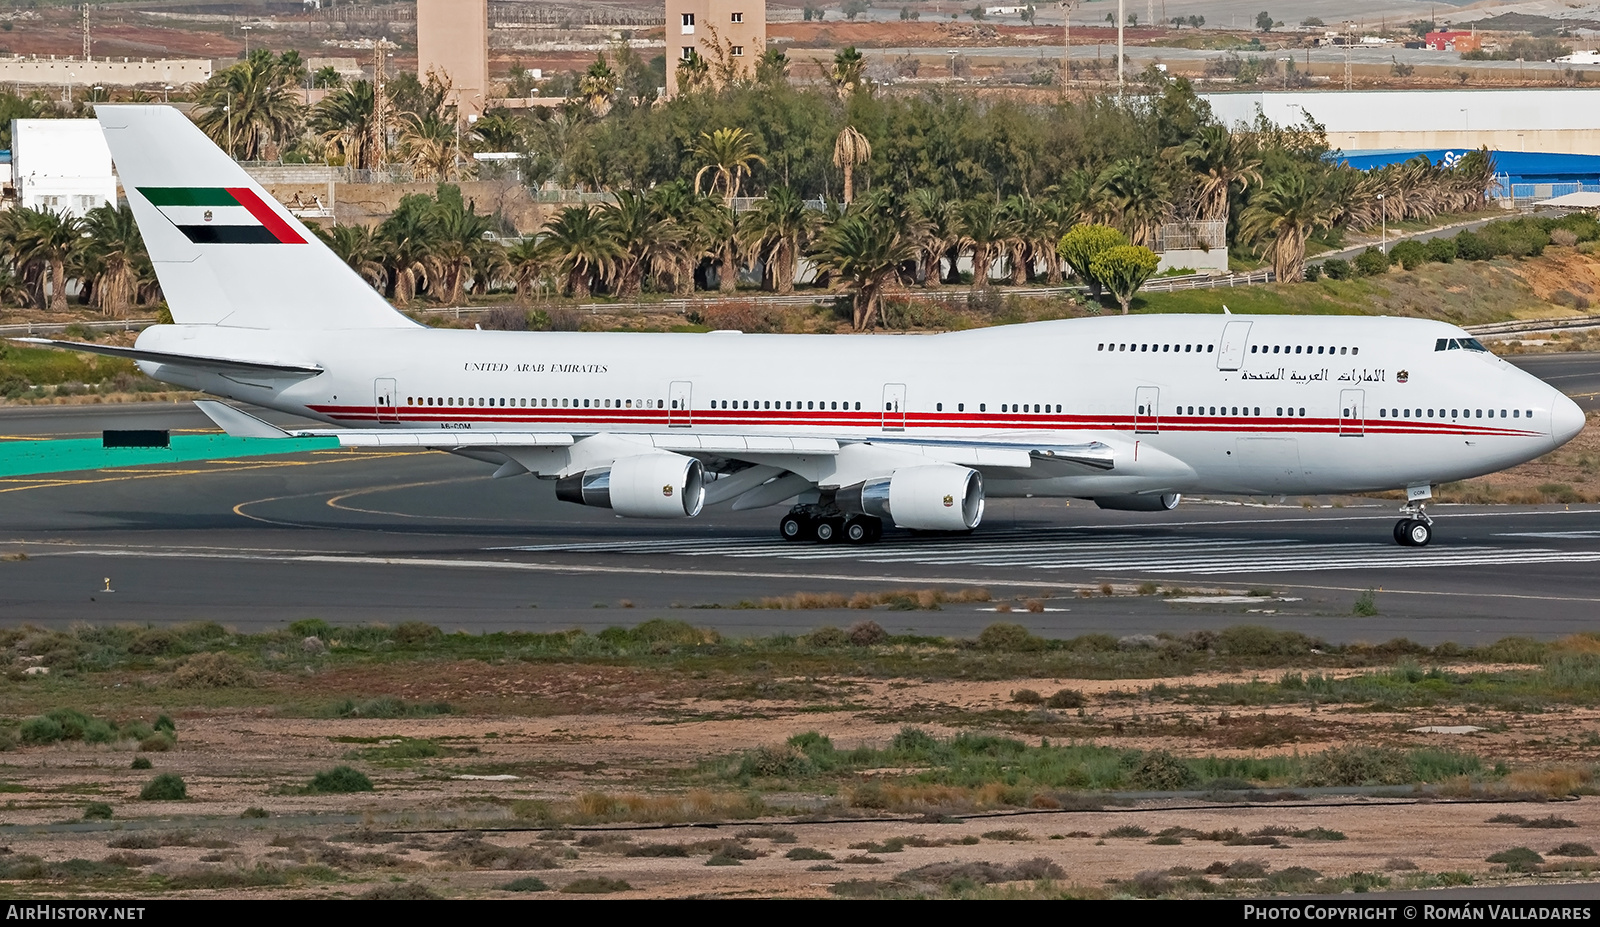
(825, 525)
(1415, 528)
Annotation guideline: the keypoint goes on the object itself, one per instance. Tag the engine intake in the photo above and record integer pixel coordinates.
(647, 486)
(1144, 502)
(933, 498)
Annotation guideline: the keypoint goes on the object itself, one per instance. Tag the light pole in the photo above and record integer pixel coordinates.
(229, 110)
(1286, 62)
(165, 91)
(246, 31)
(952, 64)
(1122, 17)
(1383, 233)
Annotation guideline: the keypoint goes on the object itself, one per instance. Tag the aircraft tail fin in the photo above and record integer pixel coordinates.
(225, 251)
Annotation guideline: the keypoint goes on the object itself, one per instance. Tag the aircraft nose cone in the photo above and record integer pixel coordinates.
(1566, 419)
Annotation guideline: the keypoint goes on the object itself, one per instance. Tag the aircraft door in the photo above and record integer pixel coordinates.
(894, 407)
(1230, 354)
(1146, 411)
(1351, 415)
(384, 401)
(679, 414)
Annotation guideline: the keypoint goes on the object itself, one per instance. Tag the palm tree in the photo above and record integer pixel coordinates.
(49, 241)
(939, 221)
(407, 241)
(111, 257)
(1220, 164)
(359, 248)
(347, 122)
(776, 232)
(1290, 208)
(1132, 198)
(650, 241)
(862, 252)
(582, 249)
(459, 246)
(499, 131)
(727, 154)
(428, 142)
(848, 74)
(849, 149)
(528, 263)
(985, 232)
(598, 86)
(251, 109)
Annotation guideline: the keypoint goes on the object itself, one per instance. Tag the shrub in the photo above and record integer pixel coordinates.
(339, 779)
(1004, 636)
(827, 636)
(1160, 771)
(253, 812)
(100, 811)
(769, 762)
(1123, 830)
(1517, 859)
(210, 671)
(165, 787)
(1566, 238)
(164, 723)
(157, 743)
(1372, 262)
(1357, 765)
(525, 884)
(406, 891)
(1573, 849)
(1549, 822)
(1313, 272)
(866, 633)
(1471, 247)
(1409, 254)
(1442, 250)
(1027, 697)
(416, 632)
(1336, 268)
(140, 762)
(1066, 698)
(40, 731)
(807, 853)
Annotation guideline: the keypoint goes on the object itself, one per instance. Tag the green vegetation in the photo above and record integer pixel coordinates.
(337, 780)
(165, 787)
(974, 770)
(595, 885)
(525, 884)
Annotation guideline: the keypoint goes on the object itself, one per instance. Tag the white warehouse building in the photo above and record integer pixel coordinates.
(61, 165)
(1556, 119)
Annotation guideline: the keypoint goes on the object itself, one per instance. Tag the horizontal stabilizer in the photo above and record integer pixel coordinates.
(223, 365)
(238, 424)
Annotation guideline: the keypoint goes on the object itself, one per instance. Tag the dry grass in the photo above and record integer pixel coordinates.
(905, 599)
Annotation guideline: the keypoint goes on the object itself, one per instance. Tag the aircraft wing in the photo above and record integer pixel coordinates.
(222, 365)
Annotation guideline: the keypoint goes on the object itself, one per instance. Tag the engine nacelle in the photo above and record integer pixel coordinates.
(1146, 502)
(647, 486)
(940, 497)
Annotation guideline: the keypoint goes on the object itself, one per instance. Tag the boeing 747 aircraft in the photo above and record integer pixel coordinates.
(849, 433)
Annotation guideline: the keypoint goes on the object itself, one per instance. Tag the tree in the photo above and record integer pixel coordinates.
(850, 149)
(862, 252)
(727, 154)
(428, 143)
(1219, 164)
(583, 249)
(111, 256)
(776, 232)
(649, 241)
(1132, 197)
(598, 88)
(528, 262)
(50, 241)
(848, 73)
(939, 225)
(853, 8)
(1082, 244)
(347, 122)
(1123, 269)
(985, 232)
(250, 110)
(459, 247)
(498, 130)
(406, 239)
(1264, 21)
(327, 78)
(359, 248)
(1289, 208)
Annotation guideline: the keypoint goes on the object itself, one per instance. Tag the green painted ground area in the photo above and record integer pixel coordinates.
(25, 458)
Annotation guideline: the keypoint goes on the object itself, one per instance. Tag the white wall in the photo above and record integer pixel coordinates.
(62, 164)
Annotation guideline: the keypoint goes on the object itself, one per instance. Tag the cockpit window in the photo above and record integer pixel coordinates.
(1456, 344)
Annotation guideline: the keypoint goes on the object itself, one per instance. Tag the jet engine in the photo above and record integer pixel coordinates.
(647, 486)
(1147, 502)
(941, 497)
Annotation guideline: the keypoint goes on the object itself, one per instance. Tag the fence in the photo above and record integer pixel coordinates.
(1526, 194)
(1198, 235)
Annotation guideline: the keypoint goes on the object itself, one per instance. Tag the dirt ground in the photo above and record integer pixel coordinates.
(636, 743)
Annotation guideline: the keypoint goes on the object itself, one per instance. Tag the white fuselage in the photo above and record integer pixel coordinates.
(1227, 404)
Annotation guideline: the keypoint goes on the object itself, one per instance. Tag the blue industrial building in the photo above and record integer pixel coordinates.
(1524, 176)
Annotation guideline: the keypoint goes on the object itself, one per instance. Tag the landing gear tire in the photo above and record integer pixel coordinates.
(862, 530)
(794, 527)
(1413, 532)
(827, 530)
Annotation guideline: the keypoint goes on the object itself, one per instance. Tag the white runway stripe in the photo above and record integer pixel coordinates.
(1123, 553)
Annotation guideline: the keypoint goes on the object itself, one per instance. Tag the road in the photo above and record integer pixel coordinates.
(355, 536)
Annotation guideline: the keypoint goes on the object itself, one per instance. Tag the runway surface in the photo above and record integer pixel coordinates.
(358, 536)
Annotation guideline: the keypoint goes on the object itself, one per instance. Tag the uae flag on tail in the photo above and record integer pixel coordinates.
(222, 216)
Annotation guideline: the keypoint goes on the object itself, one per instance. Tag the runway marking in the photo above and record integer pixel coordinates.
(1550, 534)
(1127, 553)
(334, 502)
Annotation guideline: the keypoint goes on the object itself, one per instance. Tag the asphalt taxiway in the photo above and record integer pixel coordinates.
(358, 536)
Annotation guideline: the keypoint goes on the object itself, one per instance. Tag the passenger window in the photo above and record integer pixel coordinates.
(1258, 410)
(1280, 410)
(983, 407)
(1319, 349)
(1302, 411)
(1187, 348)
(1530, 414)
(1382, 413)
(1343, 350)
(1058, 407)
(1100, 347)
(1208, 349)
(1355, 350)
(1516, 413)
(961, 407)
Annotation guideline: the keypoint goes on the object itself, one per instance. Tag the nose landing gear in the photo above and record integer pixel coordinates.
(1415, 529)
